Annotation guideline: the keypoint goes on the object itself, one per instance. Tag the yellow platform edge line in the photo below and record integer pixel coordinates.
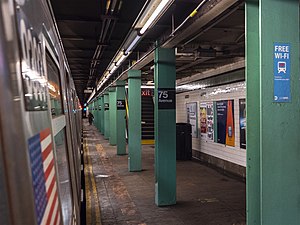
(92, 192)
(148, 142)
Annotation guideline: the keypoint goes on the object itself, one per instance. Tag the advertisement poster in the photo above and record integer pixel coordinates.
(210, 121)
(221, 121)
(203, 117)
(192, 117)
(225, 122)
(243, 124)
(230, 132)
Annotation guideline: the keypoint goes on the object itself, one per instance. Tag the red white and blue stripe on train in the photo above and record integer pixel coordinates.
(47, 205)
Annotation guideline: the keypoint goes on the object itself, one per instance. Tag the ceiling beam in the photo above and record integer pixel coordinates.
(77, 19)
(69, 49)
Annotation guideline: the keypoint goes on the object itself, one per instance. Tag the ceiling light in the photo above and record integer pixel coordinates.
(155, 14)
(133, 43)
(121, 60)
(119, 55)
(113, 70)
(92, 95)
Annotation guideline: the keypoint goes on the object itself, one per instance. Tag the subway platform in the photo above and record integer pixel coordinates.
(116, 196)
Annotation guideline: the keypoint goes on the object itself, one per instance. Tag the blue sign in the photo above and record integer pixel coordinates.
(282, 72)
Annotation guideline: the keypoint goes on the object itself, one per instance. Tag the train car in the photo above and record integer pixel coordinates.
(40, 120)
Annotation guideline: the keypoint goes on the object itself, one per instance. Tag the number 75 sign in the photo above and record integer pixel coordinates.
(166, 98)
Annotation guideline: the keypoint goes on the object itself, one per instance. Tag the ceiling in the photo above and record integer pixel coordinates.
(92, 32)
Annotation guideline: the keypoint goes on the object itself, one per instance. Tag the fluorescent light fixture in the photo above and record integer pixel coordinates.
(113, 69)
(119, 55)
(92, 95)
(98, 86)
(159, 8)
(121, 60)
(144, 87)
(111, 66)
(133, 43)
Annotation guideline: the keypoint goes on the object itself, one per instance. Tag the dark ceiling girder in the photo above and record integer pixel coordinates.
(79, 19)
(79, 49)
(79, 67)
(108, 17)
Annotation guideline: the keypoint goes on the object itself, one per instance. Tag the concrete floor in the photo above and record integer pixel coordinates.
(204, 196)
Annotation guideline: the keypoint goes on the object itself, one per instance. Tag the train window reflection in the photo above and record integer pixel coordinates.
(64, 176)
(54, 86)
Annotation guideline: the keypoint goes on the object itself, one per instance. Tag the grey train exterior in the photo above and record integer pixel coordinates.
(40, 120)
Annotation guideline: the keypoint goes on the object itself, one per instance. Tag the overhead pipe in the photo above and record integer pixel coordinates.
(192, 14)
(110, 6)
(136, 36)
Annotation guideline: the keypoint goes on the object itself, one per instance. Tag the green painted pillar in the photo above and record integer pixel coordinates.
(134, 121)
(98, 114)
(112, 116)
(273, 123)
(106, 116)
(165, 126)
(93, 110)
(95, 113)
(121, 117)
(102, 114)
(253, 112)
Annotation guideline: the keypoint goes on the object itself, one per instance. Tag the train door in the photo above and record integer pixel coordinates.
(58, 119)
(76, 130)
(74, 155)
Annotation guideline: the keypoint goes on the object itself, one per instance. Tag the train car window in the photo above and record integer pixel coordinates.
(65, 191)
(54, 86)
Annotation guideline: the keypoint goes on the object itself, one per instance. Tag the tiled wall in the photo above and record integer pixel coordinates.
(234, 92)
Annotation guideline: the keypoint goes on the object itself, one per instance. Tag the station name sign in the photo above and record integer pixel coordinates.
(121, 105)
(166, 98)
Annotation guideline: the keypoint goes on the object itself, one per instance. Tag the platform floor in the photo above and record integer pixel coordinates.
(116, 196)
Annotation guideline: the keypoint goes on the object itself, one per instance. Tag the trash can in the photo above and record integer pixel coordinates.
(183, 141)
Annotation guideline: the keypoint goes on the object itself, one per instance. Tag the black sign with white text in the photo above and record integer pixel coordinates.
(121, 105)
(106, 106)
(166, 98)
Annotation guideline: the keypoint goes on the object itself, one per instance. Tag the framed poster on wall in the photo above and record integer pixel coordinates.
(242, 104)
(210, 121)
(192, 117)
(203, 119)
(221, 121)
(225, 122)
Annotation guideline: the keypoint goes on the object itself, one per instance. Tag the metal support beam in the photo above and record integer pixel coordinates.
(165, 127)
(273, 119)
(134, 121)
(121, 117)
(113, 116)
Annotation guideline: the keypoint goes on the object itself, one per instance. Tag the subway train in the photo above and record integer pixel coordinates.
(40, 120)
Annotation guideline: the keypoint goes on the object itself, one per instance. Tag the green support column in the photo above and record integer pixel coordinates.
(134, 121)
(165, 127)
(98, 114)
(95, 113)
(106, 116)
(253, 110)
(121, 117)
(112, 116)
(93, 110)
(273, 128)
(102, 125)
